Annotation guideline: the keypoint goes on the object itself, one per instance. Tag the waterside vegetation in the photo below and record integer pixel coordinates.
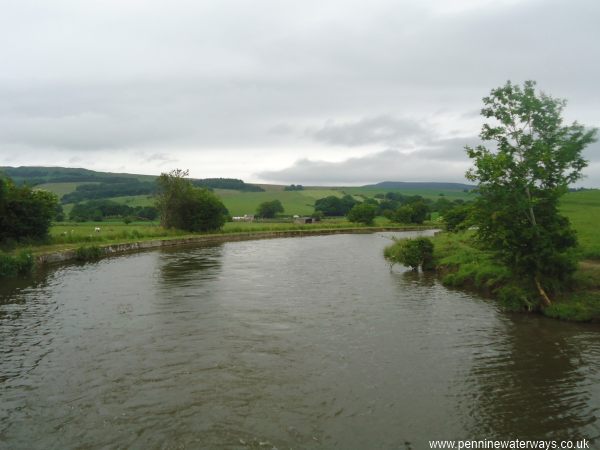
(513, 242)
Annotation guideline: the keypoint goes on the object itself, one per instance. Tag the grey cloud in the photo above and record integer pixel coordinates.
(592, 152)
(436, 165)
(215, 76)
(444, 160)
(385, 129)
(160, 158)
(281, 129)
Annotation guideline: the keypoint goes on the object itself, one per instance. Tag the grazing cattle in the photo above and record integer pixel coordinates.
(97, 229)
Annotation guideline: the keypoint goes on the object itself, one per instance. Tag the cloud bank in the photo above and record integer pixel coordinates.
(236, 88)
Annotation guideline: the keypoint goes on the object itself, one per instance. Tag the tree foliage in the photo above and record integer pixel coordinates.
(270, 209)
(183, 206)
(413, 253)
(413, 212)
(362, 213)
(113, 187)
(98, 210)
(227, 183)
(294, 187)
(456, 219)
(520, 180)
(335, 206)
(25, 214)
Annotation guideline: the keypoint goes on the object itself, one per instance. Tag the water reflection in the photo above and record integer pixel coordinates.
(177, 268)
(534, 382)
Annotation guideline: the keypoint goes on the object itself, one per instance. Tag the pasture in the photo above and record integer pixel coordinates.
(583, 210)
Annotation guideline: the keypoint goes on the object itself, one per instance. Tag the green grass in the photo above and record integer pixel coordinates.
(129, 200)
(583, 210)
(64, 234)
(463, 265)
(67, 235)
(240, 203)
(294, 202)
(135, 200)
(61, 189)
(20, 263)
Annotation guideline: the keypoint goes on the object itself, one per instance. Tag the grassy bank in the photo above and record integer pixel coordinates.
(85, 243)
(62, 235)
(461, 263)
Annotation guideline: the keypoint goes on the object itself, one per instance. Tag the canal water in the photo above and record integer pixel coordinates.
(285, 343)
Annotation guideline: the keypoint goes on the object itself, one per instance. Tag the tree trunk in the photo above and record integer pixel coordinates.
(542, 292)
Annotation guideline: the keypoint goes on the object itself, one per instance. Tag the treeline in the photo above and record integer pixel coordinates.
(400, 208)
(116, 187)
(32, 176)
(413, 208)
(226, 183)
(294, 187)
(124, 186)
(99, 210)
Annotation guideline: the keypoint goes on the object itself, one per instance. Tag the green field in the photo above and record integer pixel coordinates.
(61, 189)
(294, 202)
(583, 210)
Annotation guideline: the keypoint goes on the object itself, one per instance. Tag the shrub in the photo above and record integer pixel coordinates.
(413, 253)
(25, 214)
(362, 213)
(88, 253)
(269, 210)
(12, 266)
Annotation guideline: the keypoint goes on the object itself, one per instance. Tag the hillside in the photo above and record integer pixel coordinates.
(74, 185)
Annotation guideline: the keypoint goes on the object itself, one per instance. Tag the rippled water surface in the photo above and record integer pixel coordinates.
(287, 343)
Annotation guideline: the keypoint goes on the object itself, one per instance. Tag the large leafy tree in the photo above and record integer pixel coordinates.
(362, 213)
(533, 158)
(270, 209)
(25, 214)
(183, 206)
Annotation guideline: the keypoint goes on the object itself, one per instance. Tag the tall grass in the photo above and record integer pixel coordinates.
(15, 265)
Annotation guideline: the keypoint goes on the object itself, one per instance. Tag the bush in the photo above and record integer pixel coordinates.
(12, 266)
(25, 214)
(516, 298)
(268, 210)
(413, 253)
(88, 253)
(362, 213)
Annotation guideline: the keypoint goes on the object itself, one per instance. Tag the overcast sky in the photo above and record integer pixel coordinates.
(312, 92)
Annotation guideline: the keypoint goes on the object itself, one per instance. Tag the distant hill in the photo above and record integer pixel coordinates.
(77, 184)
(34, 175)
(420, 185)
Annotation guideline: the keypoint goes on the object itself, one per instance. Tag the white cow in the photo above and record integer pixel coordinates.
(97, 229)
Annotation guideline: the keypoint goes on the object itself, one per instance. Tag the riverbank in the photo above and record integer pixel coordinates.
(461, 264)
(94, 249)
